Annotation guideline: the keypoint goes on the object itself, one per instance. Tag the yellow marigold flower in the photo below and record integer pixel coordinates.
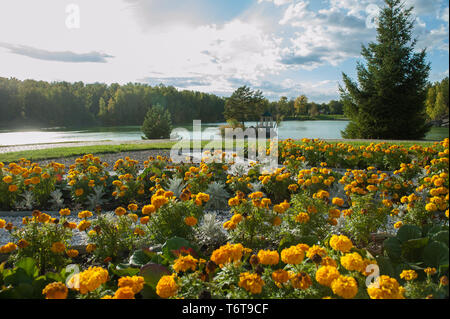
(280, 276)
(2, 223)
(83, 225)
(443, 281)
(276, 221)
(85, 214)
(328, 261)
(253, 283)
(22, 243)
(227, 254)
(352, 261)
(9, 247)
(190, 221)
(341, 243)
(268, 257)
(302, 218)
(148, 209)
(7, 179)
(13, 188)
(385, 288)
(338, 201)
(408, 275)
(431, 207)
(79, 192)
(326, 274)
(292, 255)
(144, 220)
(399, 224)
(430, 271)
(345, 287)
(133, 207)
(234, 201)
(90, 248)
(55, 290)
(139, 232)
(72, 253)
(167, 286)
(120, 211)
(184, 263)
(124, 293)
(64, 212)
(316, 250)
(300, 281)
(136, 283)
(58, 247)
(89, 280)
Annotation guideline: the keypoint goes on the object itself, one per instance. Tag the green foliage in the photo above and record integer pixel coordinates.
(417, 248)
(389, 102)
(244, 105)
(157, 123)
(43, 104)
(437, 100)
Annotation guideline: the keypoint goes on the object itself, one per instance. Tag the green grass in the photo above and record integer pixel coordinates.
(437, 133)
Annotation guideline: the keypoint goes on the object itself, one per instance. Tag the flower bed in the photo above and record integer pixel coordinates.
(322, 225)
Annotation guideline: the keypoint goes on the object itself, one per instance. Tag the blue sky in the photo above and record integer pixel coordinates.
(283, 47)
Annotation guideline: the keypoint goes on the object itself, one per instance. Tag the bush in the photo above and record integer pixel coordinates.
(157, 123)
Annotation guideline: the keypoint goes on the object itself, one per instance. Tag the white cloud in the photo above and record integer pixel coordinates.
(295, 11)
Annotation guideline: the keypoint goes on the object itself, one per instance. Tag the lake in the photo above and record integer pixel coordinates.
(288, 129)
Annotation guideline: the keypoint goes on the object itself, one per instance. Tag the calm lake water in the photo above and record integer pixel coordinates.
(289, 129)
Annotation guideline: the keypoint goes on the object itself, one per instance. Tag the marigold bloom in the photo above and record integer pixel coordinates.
(9, 247)
(326, 274)
(83, 225)
(55, 290)
(430, 271)
(292, 255)
(167, 286)
(120, 211)
(58, 247)
(190, 221)
(90, 248)
(345, 287)
(386, 288)
(136, 283)
(72, 253)
(148, 209)
(408, 275)
(124, 293)
(316, 250)
(302, 218)
(85, 214)
(2, 223)
(184, 263)
(268, 257)
(227, 254)
(280, 276)
(300, 281)
(253, 283)
(352, 261)
(64, 212)
(341, 243)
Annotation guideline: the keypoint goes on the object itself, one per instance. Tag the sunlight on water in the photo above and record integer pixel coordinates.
(291, 129)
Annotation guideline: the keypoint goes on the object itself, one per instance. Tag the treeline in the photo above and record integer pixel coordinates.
(33, 103)
(437, 100)
(299, 108)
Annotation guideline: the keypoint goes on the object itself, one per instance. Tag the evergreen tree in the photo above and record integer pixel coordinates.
(244, 105)
(389, 102)
(157, 123)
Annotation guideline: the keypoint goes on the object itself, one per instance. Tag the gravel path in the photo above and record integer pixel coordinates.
(31, 147)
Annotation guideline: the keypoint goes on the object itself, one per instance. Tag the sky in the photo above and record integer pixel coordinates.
(281, 47)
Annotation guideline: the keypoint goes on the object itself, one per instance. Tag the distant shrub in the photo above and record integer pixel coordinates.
(157, 123)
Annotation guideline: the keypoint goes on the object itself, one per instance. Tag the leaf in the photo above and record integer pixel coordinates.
(176, 245)
(123, 270)
(29, 266)
(435, 254)
(412, 249)
(393, 247)
(408, 232)
(441, 236)
(386, 267)
(139, 258)
(152, 273)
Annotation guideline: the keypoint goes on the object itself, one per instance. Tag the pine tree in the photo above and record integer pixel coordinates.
(157, 123)
(389, 102)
